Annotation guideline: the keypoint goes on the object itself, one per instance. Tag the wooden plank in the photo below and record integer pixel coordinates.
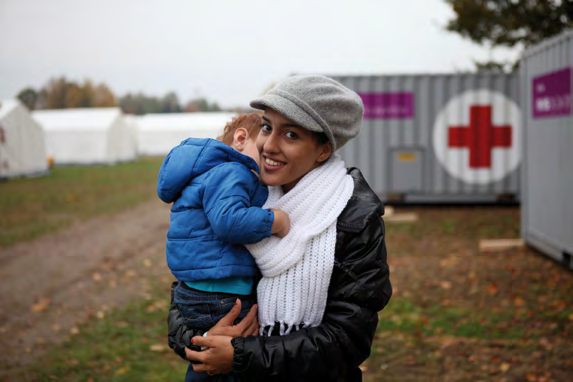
(407, 217)
(388, 211)
(499, 244)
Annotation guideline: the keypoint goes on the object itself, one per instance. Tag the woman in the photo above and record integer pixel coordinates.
(320, 326)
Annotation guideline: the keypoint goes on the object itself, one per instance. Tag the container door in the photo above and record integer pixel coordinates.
(406, 170)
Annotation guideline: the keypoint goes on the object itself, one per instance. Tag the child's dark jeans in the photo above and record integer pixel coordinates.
(202, 310)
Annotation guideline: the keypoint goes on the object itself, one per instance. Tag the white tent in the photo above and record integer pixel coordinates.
(159, 133)
(87, 135)
(22, 148)
(129, 141)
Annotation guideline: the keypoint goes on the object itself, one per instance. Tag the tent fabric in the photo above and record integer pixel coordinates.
(22, 146)
(87, 135)
(157, 134)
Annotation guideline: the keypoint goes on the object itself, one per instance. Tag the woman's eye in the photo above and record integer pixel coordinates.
(266, 127)
(291, 135)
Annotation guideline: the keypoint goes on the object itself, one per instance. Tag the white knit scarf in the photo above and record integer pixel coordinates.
(297, 268)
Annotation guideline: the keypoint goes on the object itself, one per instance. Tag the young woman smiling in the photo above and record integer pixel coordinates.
(323, 284)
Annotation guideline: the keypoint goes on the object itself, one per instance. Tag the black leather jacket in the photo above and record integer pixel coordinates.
(359, 288)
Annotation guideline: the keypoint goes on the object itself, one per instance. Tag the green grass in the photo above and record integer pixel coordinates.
(31, 207)
(401, 315)
(128, 344)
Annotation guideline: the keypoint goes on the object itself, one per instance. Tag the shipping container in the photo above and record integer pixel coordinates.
(448, 138)
(547, 170)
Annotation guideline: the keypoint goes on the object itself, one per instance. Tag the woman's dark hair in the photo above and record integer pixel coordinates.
(250, 122)
(321, 138)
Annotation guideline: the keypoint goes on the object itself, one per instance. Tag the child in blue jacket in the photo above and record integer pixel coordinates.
(217, 200)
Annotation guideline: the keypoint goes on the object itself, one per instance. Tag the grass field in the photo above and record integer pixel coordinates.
(30, 207)
(456, 314)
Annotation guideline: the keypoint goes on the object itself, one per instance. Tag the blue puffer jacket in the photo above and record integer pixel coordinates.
(217, 199)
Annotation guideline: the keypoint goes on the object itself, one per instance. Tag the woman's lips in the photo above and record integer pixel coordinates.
(271, 164)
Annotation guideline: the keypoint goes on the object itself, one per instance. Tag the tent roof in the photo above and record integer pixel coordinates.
(185, 121)
(7, 105)
(77, 119)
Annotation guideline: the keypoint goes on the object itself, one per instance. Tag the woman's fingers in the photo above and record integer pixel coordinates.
(194, 355)
(218, 359)
(252, 328)
(230, 317)
(245, 327)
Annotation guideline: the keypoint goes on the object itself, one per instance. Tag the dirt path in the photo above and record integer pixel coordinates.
(49, 285)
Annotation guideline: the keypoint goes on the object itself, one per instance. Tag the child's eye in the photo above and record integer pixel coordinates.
(291, 135)
(265, 127)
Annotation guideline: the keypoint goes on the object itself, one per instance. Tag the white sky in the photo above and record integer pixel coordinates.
(228, 51)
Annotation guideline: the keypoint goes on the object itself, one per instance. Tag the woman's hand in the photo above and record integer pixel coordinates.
(217, 359)
(249, 326)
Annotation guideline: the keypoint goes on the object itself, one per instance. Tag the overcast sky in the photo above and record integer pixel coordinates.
(228, 51)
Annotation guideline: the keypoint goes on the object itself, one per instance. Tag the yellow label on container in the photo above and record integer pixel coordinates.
(406, 157)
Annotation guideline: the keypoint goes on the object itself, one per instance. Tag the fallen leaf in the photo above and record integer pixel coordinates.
(492, 288)
(100, 314)
(544, 342)
(41, 305)
(123, 370)
(96, 277)
(130, 273)
(56, 328)
(446, 285)
(504, 367)
(571, 317)
(73, 362)
(55, 378)
(74, 330)
(518, 301)
(157, 347)
(147, 263)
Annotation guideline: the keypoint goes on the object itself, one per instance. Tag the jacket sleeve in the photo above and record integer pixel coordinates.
(178, 334)
(360, 287)
(227, 203)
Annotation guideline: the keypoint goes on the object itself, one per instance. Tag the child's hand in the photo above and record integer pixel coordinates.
(281, 224)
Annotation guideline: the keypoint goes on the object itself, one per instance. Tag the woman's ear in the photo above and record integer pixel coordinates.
(325, 153)
(240, 138)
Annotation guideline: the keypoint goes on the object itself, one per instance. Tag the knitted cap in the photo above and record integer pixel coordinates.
(317, 103)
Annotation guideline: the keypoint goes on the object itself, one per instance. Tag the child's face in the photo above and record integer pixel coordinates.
(250, 149)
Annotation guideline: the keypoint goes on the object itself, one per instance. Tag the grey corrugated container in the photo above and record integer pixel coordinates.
(547, 200)
(415, 139)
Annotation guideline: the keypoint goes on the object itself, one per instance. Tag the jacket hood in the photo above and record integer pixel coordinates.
(193, 157)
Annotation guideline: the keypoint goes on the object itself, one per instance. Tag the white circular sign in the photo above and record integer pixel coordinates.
(477, 136)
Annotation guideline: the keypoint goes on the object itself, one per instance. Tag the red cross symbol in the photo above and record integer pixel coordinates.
(480, 137)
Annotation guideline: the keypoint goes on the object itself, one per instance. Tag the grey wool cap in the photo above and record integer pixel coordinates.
(317, 103)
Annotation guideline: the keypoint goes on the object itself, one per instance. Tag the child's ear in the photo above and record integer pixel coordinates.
(240, 138)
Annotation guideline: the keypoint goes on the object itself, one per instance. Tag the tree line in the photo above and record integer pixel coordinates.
(499, 23)
(61, 93)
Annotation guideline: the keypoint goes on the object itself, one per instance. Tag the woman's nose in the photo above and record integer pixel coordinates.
(271, 144)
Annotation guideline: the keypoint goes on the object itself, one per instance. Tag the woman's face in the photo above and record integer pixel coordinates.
(288, 151)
